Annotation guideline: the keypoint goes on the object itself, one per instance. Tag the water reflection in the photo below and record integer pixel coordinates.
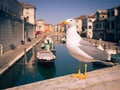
(46, 71)
(12, 75)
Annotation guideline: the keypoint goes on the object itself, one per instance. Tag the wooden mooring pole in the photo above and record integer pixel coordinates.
(33, 54)
(25, 56)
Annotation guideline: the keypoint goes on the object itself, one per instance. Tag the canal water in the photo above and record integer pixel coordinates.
(21, 73)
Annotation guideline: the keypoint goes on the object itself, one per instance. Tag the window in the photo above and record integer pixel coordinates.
(112, 25)
(27, 18)
(6, 9)
(1, 7)
(103, 25)
(9, 10)
(99, 25)
(90, 20)
(112, 13)
(90, 27)
(96, 25)
(108, 25)
(39, 26)
(108, 14)
(103, 17)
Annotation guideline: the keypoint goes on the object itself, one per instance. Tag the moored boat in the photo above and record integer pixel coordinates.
(45, 57)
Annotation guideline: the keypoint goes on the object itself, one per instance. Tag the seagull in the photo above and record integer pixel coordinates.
(81, 49)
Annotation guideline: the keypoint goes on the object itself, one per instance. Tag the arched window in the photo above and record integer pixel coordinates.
(27, 18)
(90, 27)
(90, 20)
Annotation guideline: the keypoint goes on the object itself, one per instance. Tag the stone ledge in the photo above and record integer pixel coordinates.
(103, 79)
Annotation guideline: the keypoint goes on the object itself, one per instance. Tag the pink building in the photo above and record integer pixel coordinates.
(40, 26)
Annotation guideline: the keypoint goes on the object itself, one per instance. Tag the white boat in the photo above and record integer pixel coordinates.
(45, 57)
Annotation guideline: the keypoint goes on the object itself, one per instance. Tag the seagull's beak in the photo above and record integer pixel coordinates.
(64, 23)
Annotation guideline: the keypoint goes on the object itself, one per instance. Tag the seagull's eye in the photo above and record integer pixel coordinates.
(70, 20)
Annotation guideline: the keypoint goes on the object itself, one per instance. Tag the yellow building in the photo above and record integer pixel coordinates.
(49, 28)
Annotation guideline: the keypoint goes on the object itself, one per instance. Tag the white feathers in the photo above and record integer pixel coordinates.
(79, 48)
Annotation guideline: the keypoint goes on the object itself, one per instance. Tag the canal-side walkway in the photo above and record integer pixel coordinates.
(102, 79)
(11, 56)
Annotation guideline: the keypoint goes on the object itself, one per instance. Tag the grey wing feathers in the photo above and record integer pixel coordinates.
(93, 51)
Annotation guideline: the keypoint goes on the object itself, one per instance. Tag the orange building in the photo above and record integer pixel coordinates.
(49, 28)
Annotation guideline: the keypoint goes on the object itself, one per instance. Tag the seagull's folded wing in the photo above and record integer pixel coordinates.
(93, 51)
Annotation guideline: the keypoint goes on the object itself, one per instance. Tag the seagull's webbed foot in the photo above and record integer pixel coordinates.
(79, 75)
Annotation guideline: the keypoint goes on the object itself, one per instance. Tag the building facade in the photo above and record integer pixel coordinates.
(59, 28)
(13, 26)
(49, 28)
(40, 26)
(28, 16)
(99, 25)
(87, 25)
(112, 29)
(79, 23)
(11, 7)
(118, 24)
(107, 24)
(29, 12)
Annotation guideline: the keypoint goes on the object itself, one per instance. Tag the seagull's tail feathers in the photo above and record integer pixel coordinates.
(102, 56)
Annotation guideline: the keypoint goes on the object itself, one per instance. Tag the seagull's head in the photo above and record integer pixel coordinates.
(69, 22)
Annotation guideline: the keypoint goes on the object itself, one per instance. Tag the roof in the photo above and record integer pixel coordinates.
(27, 5)
(40, 20)
(91, 15)
(81, 17)
(102, 12)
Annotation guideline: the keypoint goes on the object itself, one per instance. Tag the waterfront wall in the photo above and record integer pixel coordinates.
(13, 30)
(109, 79)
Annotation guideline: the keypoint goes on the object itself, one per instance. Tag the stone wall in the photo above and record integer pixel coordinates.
(13, 30)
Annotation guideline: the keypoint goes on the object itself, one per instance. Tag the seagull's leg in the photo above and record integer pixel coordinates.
(79, 68)
(77, 75)
(85, 72)
(83, 76)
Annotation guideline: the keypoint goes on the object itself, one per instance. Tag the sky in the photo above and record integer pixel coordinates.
(55, 11)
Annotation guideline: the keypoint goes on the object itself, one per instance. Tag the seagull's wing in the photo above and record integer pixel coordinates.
(93, 51)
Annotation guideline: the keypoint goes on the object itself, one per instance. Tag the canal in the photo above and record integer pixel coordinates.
(21, 73)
